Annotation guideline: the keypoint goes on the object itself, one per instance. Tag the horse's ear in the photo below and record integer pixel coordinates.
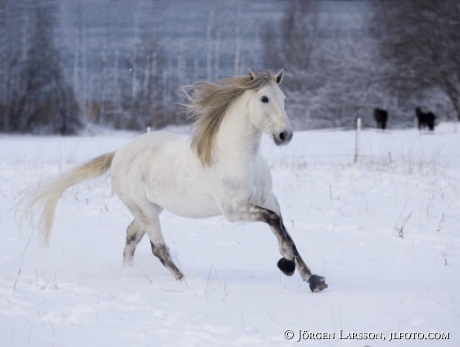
(279, 76)
(252, 76)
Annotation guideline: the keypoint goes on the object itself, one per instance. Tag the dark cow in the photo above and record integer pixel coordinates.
(425, 119)
(381, 117)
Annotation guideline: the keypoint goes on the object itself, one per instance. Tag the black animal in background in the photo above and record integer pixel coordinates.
(381, 117)
(425, 119)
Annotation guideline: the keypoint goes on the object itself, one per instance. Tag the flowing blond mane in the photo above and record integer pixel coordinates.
(208, 103)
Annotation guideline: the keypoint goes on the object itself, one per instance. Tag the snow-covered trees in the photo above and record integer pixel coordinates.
(329, 68)
(121, 65)
(400, 55)
(421, 41)
(114, 63)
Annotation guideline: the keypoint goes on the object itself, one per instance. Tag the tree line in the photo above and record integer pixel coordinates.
(47, 88)
(403, 55)
(406, 55)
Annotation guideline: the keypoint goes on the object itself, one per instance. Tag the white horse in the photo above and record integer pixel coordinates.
(220, 171)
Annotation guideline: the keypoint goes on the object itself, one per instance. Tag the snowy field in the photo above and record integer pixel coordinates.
(385, 233)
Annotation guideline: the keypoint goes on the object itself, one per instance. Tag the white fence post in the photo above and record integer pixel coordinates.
(358, 131)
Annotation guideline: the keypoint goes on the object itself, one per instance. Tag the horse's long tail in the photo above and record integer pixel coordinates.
(45, 197)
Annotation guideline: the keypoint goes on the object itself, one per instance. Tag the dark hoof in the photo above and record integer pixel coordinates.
(286, 266)
(317, 283)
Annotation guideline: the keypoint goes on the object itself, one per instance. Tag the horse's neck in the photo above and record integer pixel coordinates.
(238, 140)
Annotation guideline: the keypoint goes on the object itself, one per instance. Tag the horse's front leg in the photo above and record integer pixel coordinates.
(291, 257)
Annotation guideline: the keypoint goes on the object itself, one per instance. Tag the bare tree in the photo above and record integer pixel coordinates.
(52, 102)
(149, 108)
(39, 100)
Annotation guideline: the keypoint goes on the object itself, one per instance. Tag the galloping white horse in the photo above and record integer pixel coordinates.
(220, 171)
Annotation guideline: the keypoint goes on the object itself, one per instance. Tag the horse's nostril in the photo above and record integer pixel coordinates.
(285, 136)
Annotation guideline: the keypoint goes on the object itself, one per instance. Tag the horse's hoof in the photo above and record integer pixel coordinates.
(286, 266)
(317, 283)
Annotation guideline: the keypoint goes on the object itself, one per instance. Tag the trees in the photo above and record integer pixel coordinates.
(149, 109)
(292, 43)
(126, 61)
(36, 97)
(420, 39)
(47, 101)
(404, 54)
(330, 71)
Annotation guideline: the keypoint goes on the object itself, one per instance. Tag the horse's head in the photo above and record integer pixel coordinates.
(267, 112)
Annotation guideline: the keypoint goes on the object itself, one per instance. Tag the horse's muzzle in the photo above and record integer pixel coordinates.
(283, 138)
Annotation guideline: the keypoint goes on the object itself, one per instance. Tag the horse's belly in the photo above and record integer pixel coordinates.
(187, 198)
(181, 187)
(191, 207)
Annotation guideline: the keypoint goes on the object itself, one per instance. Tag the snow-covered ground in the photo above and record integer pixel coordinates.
(385, 233)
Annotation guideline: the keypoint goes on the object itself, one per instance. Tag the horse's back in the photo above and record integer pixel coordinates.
(151, 141)
(147, 150)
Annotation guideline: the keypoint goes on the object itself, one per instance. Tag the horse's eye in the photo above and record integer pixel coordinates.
(264, 99)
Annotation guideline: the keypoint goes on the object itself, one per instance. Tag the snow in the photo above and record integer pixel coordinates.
(384, 232)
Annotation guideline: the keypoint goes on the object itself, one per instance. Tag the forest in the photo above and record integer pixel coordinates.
(69, 66)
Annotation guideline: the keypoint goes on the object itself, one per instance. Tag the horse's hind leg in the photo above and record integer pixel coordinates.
(161, 251)
(134, 234)
(148, 220)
